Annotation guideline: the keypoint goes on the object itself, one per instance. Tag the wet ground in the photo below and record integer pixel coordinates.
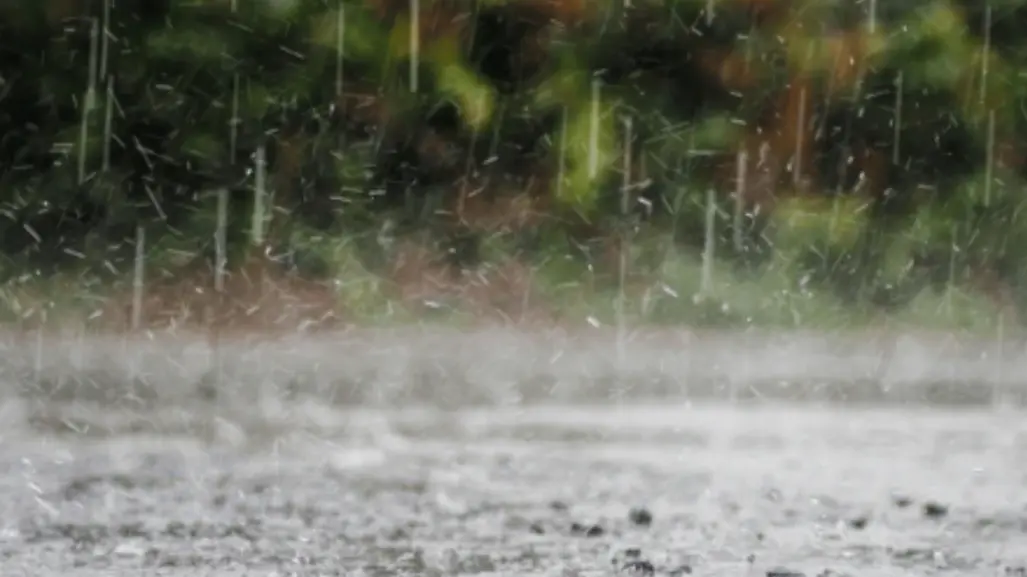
(499, 366)
(673, 490)
(106, 475)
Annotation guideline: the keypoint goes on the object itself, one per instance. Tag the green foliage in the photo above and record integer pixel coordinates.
(910, 128)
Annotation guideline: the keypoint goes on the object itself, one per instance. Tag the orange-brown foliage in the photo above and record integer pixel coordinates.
(421, 279)
(847, 52)
(259, 296)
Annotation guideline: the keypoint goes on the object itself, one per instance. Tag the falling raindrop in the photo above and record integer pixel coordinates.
(990, 160)
(739, 197)
(38, 357)
(800, 134)
(259, 198)
(625, 244)
(415, 42)
(340, 51)
(235, 121)
(105, 38)
(950, 286)
(221, 241)
(138, 280)
(898, 119)
(985, 53)
(108, 121)
(593, 134)
(562, 162)
(998, 390)
(709, 244)
(89, 102)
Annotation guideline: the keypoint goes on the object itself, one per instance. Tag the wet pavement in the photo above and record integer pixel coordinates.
(671, 490)
(496, 455)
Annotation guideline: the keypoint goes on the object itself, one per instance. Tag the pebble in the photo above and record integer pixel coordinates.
(935, 510)
(640, 516)
(639, 567)
(901, 501)
(859, 523)
(784, 572)
(594, 530)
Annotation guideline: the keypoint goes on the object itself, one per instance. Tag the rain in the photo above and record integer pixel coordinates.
(565, 288)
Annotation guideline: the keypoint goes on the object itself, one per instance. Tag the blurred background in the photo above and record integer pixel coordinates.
(730, 284)
(281, 164)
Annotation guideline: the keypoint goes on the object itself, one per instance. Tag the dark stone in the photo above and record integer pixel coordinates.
(640, 516)
(859, 523)
(901, 501)
(558, 505)
(784, 572)
(639, 567)
(934, 510)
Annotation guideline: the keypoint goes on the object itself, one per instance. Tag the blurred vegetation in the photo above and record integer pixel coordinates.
(880, 143)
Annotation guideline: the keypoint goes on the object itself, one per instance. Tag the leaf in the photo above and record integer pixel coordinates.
(581, 188)
(476, 98)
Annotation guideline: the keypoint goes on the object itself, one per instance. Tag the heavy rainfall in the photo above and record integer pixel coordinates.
(513, 287)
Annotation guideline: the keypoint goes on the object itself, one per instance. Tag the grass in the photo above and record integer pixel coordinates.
(664, 288)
